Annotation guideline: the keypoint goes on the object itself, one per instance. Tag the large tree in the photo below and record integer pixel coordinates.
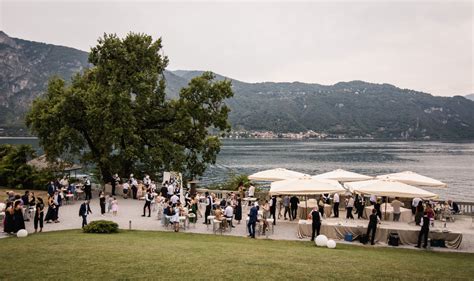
(116, 116)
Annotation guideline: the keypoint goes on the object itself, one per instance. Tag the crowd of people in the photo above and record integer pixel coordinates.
(167, 202)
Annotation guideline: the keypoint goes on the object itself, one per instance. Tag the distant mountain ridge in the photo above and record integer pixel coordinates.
(470, 97)
(348, 109)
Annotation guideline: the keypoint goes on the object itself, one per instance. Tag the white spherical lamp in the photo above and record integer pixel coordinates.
(321, 240)
(22, 233)
(331, 244)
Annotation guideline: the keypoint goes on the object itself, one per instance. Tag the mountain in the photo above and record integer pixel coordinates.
(349, 109)
(469, 97)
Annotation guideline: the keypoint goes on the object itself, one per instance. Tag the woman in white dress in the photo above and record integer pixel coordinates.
(175, 218)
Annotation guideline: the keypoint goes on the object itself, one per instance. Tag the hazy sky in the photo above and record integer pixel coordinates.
(421, 45)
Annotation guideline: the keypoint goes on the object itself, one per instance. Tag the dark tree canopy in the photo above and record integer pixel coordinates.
(115, 114)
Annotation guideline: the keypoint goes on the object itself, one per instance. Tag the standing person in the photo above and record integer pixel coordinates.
(148, 199)
(373, 221)
(316, 218)
(147, 181)
(280, 206)
(238, 209)
(39, 215)
(414, 204)
(57, 202)
(115, 206)
(425, 230)
(360, 206)
(164, 190)
(273, 207)
(251, 191)
(373, 199)
(134, 186)
(9, 223)
(336, 205)
(115, 183)
(19, 221)
(350, 206)
(377, 209)
(241, 189)
(51, 214)
(170, 190)
(51, 188)
(87, 188)
(321, 205)
(396, 204)
(84, 210)
(125, 189)
(294, 201)
(419, 212)
(102, 203)
(252, 221)
(286, 206)
(209, 204)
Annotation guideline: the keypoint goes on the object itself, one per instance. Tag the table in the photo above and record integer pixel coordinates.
(70, 198)
(407, 236)
(310, 205)
(405, 214)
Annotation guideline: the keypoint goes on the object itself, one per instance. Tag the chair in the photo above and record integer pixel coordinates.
(270, 222)
(216, 226)
(182, 219)
(192, 219)
(229, 221)
(210, 219)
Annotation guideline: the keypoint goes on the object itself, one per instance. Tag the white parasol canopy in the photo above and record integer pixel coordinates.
(277, 174)
(413, 178)
(343, 176)
(389, 188)
(305, 186)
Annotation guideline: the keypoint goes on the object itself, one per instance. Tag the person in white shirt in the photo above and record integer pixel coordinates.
(251, 191)
(229, 213)
(349, 207)
(373, 199)
(414, 204)
(170, 190)
(125, 187)
(174, 199)
(336, 205)
(396, 204)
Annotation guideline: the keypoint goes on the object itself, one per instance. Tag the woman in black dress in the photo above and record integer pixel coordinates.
(238, 209)
(51, 214)
(39, 214)
(19, 221)
(9, 225)
(102, 203)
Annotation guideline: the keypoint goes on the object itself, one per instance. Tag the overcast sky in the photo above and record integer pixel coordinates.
(421, 45)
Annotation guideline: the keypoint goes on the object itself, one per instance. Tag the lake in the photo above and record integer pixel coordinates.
(452, 163)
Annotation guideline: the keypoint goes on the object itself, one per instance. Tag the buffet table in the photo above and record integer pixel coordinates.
(309, 205)
(405, 214)
(408, 236)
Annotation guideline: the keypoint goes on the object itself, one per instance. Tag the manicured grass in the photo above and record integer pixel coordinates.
(167, 255)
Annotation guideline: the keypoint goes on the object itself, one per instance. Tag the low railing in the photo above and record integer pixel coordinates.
(466, 208)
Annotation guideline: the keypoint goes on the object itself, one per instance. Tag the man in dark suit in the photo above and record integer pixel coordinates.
(51, 188)
(87, 188)
(294, 201)
(252, 221)
(209, 204)
(425, 230)
(84, 211)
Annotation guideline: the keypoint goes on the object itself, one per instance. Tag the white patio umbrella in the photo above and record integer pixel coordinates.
(277, 174)
(305, 185)
(389, 188)
(343, 176)
(413, 178)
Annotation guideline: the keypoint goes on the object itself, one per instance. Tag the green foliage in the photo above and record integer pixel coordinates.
(115, 114)
(16, 173)
(232, 183)
(101, 226)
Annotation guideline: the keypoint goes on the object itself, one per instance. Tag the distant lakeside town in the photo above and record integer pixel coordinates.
(310, 134)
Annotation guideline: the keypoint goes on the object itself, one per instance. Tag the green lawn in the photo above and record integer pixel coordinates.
(152, 255)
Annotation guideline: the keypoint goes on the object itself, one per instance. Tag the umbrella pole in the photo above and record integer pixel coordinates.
(385, 216)
(306, 206)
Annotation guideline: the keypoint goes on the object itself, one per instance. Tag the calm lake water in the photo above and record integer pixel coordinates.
(452, 163)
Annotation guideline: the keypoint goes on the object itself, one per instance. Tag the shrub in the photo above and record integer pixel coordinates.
(101, 226)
